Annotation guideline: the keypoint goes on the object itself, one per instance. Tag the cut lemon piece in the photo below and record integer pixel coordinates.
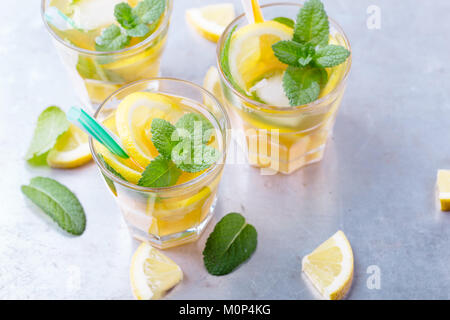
(211, 21)
(330, 267)
(211, 82)
(152, 273)
(71, 150)
(128, 169)
(443, 185)
(251, 55)
(134, 116)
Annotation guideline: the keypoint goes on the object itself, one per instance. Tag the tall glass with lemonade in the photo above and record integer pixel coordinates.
(281, 86)
(175, 134)
(105, 44)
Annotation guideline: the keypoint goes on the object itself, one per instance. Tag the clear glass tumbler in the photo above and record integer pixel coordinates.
(168, 216)
(285, 139)
(97, 74)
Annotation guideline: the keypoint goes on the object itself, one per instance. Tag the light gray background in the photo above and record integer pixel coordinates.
(376, 182)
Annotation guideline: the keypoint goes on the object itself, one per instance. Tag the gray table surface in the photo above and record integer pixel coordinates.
(376, 183)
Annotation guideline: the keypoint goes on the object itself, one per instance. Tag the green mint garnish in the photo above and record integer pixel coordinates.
(149, 11)
(330, 55)
(162, 137)
(312, 24)
(286, 21)
(161, 172)
(181, 147)
(52, 123)
(88, 68)
(231, 243)
(302, 85)
(58, 202)
(308, 54)
(134, 22)
(111, 39)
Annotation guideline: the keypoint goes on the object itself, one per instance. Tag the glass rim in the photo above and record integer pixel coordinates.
(147, 40)
(217, 166)
(264, 106)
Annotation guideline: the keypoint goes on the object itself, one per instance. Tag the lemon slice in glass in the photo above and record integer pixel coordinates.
(71, 150)
(443, 185)
(152, 273)
(134, 116)
(251, 56)
(330, 267)
(211, 21)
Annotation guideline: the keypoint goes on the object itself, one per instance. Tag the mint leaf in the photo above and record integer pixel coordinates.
(58, 202)
(149, 11)
(52, 123)
(302, 85)
(197, 125)
(286, 21)
(162, 137)
(140, 30)
(88, 68)
(111, 39)
(331, 55)
(192, 157)
(312, 24)
(293, 53)
(161, 172)
(231, 243)
(125, 16)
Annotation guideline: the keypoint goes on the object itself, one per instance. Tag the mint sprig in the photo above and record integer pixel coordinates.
(51, 124)
(231, 243)
(133, 22)
(58, 202)
(161, 172)
(308, 54)
(181, 147)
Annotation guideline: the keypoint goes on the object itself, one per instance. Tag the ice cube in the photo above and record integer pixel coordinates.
(270, 90)
(93, 14)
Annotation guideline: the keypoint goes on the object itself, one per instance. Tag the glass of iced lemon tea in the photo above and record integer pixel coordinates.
(105, 44)
(164, 201)
(279, 135)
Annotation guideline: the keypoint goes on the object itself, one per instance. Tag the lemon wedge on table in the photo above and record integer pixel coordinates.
(330, 267)
(134, 116)
(71, 150)
(251, 56)
(152, 273)
(443, 185)
(210, 21)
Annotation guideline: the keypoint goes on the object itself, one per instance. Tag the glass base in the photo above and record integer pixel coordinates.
(175, 239)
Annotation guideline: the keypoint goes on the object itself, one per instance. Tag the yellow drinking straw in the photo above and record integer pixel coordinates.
(253, 11)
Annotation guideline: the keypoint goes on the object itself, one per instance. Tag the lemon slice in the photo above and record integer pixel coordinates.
(134, 116)
(211, 21)
(330, 267)
(211, 82)
(152, 273)
(251, 56)
(443, 184)
(71, 150)
(126, 167)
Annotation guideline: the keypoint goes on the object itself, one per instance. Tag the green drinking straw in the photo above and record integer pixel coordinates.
(88, 124)
(53, 15)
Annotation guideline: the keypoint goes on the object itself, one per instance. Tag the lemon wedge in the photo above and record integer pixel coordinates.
(330, 267)
(211, 21)
(443, 185)
(251, 56)
(134, 116)
(128, 169)
(152, 273)
(71, 150)
(211, 82)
